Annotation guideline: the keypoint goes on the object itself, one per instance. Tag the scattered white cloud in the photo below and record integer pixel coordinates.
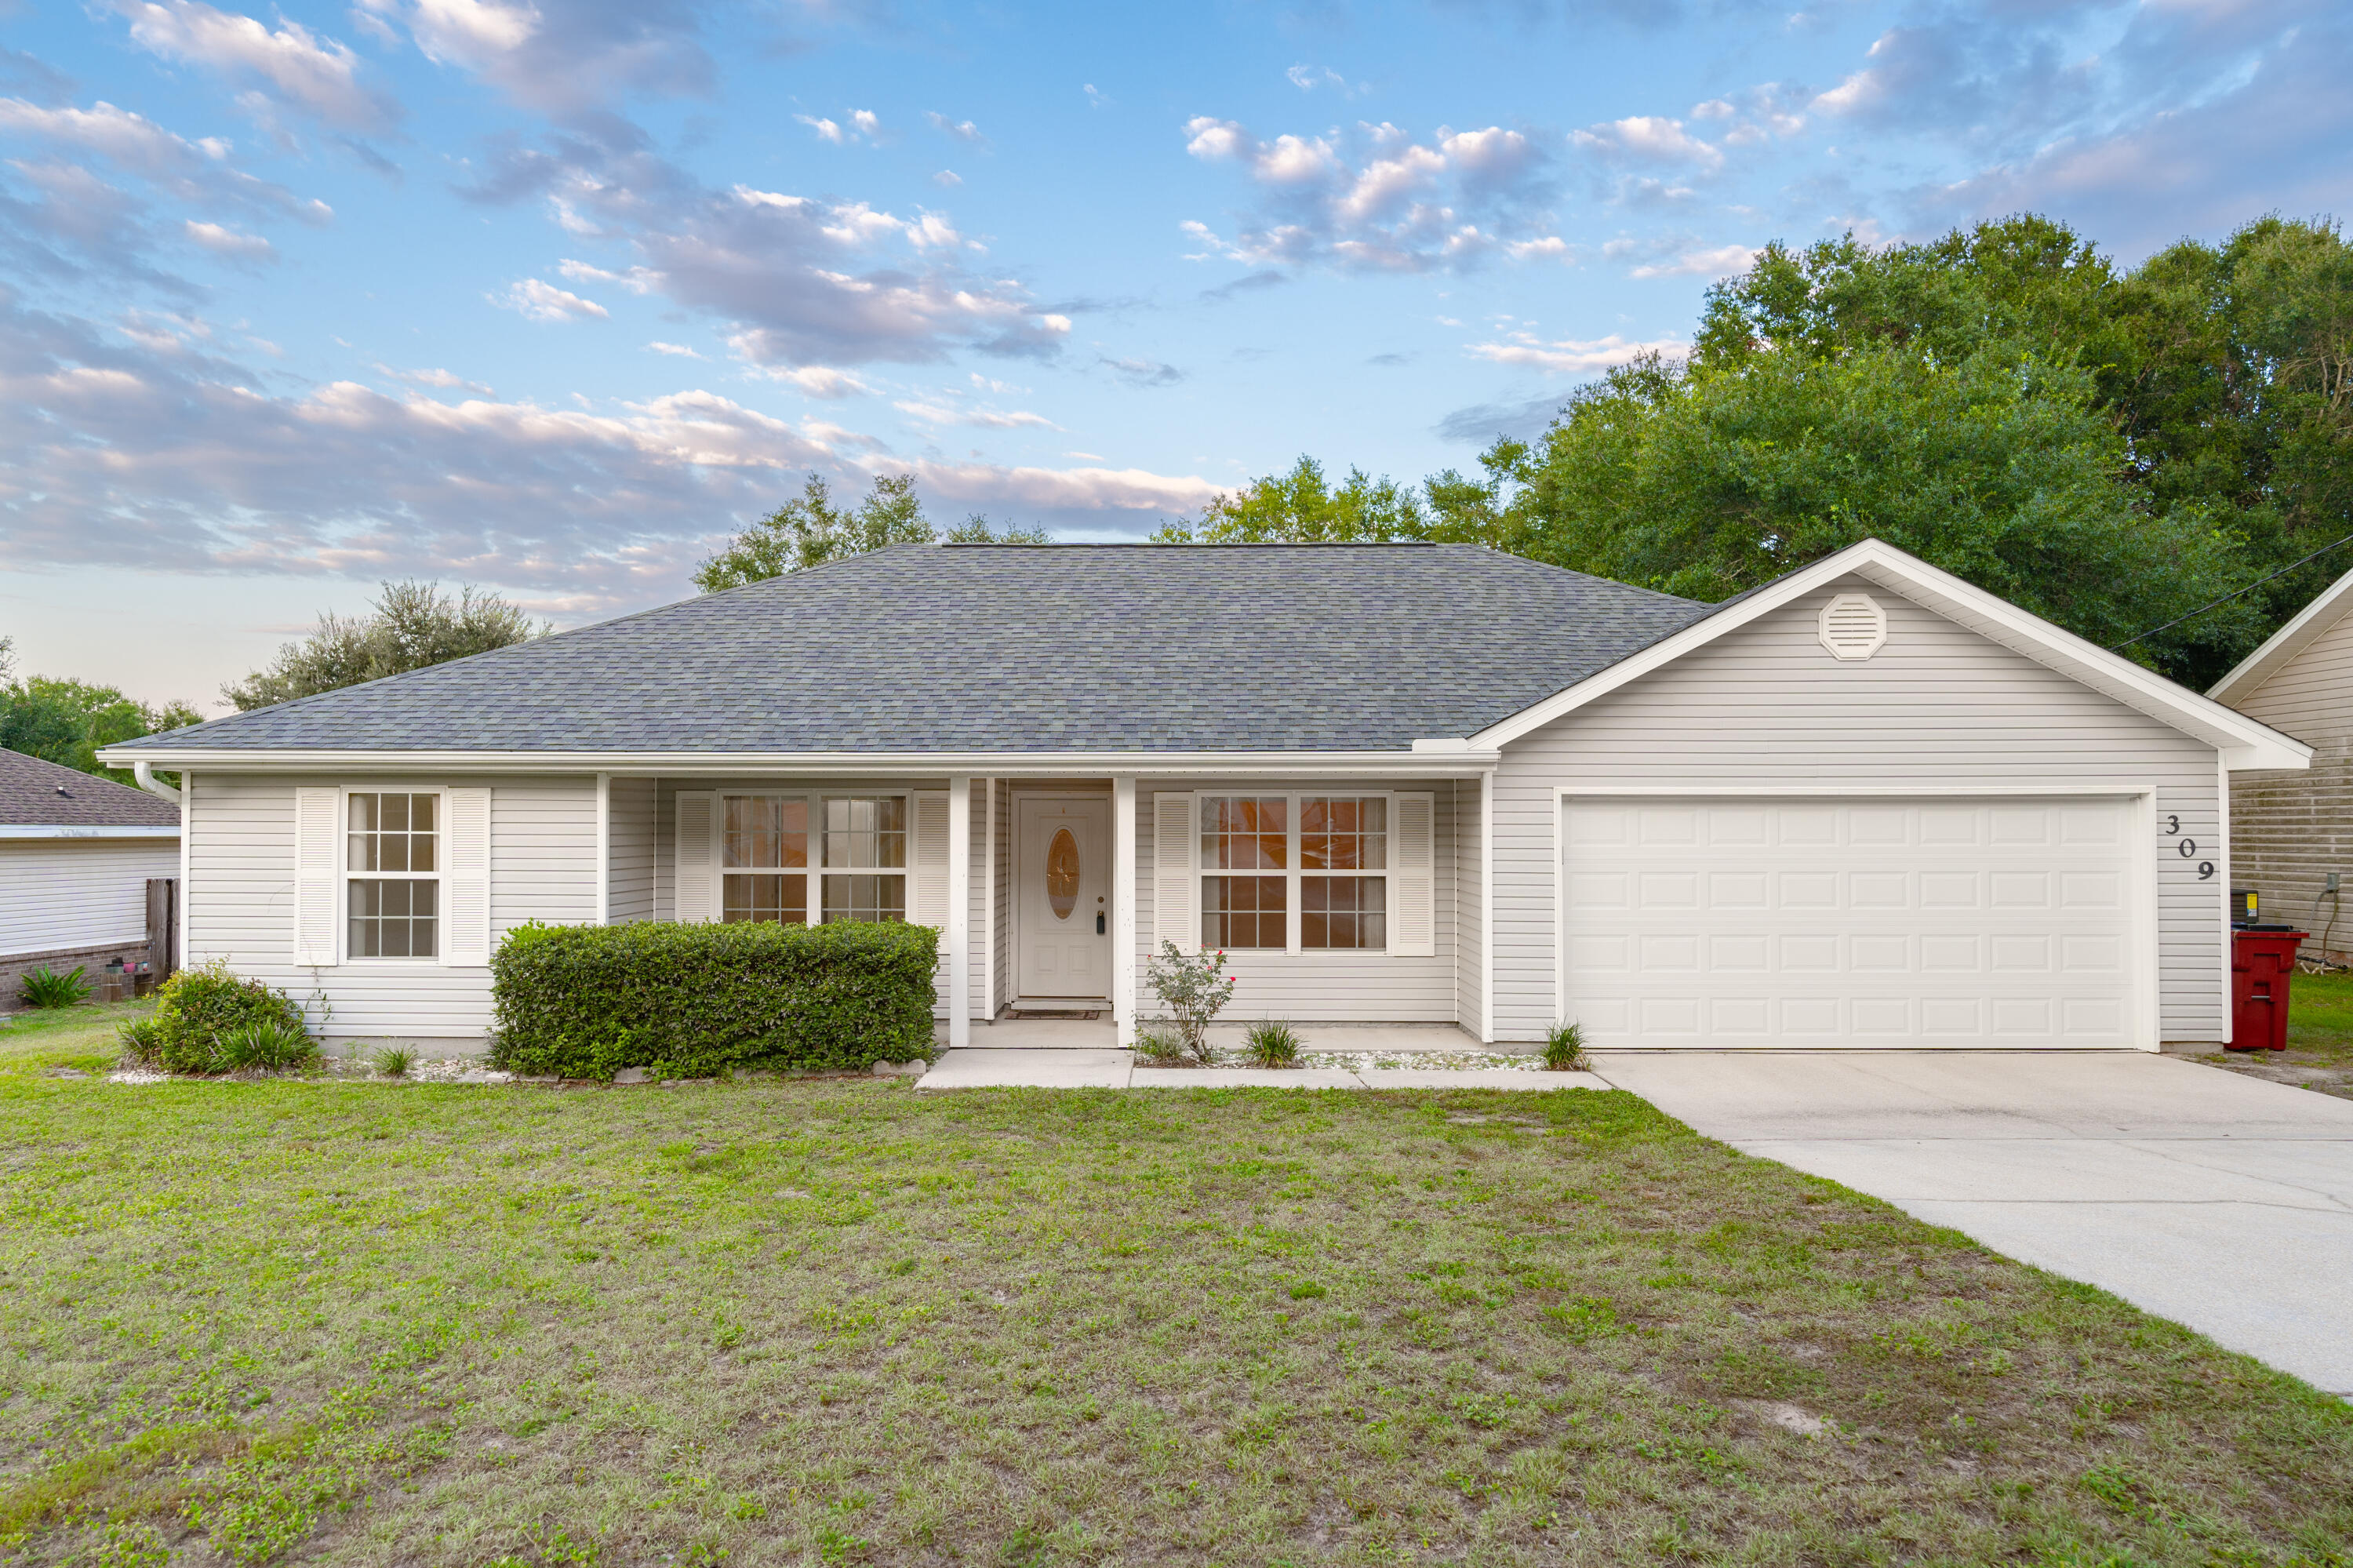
(964, 130)
(1095, 99)
(675, 350)
(542, 301)
(986, 418)
(570, 58)
(439, 379)
(223, 241)
(319, 76)
(826, 130)
(637, 279)
(1647, 138)
(1142, 372)
(1375, 199)
(948, 179)
(815, 381)
(1572, 356)
(1308, 77)
(1668, 257)
(1065, 488)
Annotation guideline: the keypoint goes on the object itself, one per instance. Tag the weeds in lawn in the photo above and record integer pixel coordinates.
(47, 988)
(1160, 1046)
(1564, 1050)
(1271, 1044)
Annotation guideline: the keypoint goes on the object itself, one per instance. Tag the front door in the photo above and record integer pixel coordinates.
(1061, 897)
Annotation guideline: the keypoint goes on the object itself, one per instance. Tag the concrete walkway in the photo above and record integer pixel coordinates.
(2214, 1199)
(981, 1067)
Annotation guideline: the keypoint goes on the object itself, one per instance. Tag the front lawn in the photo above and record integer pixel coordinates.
(842, 1321)
(2319, 1053)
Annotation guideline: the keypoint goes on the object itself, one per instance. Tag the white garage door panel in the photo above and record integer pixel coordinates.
(1815, 923)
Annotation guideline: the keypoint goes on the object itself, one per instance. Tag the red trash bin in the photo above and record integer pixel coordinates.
(2262, 961)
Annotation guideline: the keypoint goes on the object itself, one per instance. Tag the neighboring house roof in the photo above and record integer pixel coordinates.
(43, 795)
(2310, 625)
(1018, 649)
(2243, 742)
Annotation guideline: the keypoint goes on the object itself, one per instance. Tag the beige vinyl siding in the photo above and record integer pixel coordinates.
(1938, 707)
(630, 830)
(1469, 944)
(666, 832)
(2288, 831)
(241, 896)
(77, 893)
(1344, 988)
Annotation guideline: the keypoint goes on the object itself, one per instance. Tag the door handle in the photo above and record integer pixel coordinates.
(1098, 923)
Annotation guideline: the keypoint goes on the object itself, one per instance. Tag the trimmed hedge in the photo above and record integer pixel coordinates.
(692, 1001)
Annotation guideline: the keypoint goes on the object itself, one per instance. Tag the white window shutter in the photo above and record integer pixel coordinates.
(466, 878)
(1175, 890)
(927, 858)
(695, 896)
(1413, 874)
(318, 873)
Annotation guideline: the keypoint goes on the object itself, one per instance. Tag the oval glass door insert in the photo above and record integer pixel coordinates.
(1062, 875)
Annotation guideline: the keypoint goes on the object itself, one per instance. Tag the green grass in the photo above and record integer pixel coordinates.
(841, 1321)
(2319, 1053)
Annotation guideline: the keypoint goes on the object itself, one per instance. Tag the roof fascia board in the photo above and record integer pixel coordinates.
(1006, 765)
(2307, 626)
(2246, 742)
(76, 831)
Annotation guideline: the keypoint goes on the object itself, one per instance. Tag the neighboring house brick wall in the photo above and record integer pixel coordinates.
(66, 894)
(1341, 988)
(1938, 707)
(2288, 831)
(241, 898)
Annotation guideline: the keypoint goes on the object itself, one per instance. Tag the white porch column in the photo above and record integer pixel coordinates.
(959, 931)
(604, 849)
(1124, 892)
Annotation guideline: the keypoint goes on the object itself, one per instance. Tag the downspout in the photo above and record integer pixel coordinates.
(143, 774)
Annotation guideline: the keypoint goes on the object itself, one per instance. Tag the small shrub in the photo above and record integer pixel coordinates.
(142, 1040)
(695, 1001)
(1194, 987)
(199, 1009)
(1271, 1045)
(47, 988)
(268, 1045)
(1564, 1049)
(392, 1062)
(1159, 1046)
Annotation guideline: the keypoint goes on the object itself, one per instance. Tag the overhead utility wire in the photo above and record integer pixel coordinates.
(2227, 598)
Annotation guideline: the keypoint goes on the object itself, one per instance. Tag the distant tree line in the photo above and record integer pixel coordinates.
(66, 721)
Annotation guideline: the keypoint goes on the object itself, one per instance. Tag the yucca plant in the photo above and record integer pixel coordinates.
(141, 1043)
(395, 1063)
(1271, 1043)
(268, 1045)
(47, 988)
(1564, 1049)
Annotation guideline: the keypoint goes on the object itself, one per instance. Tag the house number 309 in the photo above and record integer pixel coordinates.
(2187, 848)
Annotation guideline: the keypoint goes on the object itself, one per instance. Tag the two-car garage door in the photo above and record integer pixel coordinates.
(1814, 923)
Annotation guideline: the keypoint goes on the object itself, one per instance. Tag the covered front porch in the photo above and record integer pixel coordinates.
(1347, 898)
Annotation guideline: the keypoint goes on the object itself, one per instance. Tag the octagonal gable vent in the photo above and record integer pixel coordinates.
(1853, 626)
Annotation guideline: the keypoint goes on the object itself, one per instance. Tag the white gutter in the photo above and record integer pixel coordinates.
(143, 773)
(1468, 761)
(64, 830)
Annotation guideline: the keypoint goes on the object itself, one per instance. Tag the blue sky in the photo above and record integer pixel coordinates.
(552, 295)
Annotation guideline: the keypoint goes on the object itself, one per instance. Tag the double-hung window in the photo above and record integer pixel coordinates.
(1295, 872)
(805, 859)
(392, 874)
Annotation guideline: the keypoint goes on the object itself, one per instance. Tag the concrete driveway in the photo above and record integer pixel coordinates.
(2216, 1200)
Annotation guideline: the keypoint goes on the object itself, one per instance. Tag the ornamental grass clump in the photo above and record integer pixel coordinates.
(268, 1045)
(1271, 1045)
(1161, 1047)
(47, 988)
(1564, 1049)
(1194, 987)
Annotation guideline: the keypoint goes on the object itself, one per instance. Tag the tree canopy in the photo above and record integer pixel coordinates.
(411, 625)
(810, 529)
(2111, 449)
(67, 722)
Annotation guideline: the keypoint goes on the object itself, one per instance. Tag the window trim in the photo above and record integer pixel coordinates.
(812, 876)
(1292, 925)
(440, 877)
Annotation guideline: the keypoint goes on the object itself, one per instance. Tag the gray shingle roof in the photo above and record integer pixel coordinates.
(1069, 647)
(38, 794)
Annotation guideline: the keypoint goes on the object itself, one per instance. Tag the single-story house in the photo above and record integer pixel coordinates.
(2292, 833)
(78, 856)
(1865, 805)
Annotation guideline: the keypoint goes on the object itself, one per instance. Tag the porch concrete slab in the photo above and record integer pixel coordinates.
(2218, 1199)
(1243, 1078)
(976, 1068)
(1529, 1080)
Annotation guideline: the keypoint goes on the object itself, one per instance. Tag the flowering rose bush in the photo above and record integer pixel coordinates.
(1194, 987)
